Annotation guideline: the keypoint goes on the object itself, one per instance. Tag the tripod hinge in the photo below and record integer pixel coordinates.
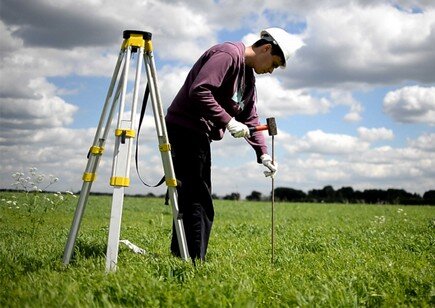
(171, 182)
(148, 46)
(165, 147)
(96, 150)
(119, 181)
(89, 177)
(125, 133)
(129, 133)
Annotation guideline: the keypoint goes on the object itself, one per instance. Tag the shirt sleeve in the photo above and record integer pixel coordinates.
(209, 78)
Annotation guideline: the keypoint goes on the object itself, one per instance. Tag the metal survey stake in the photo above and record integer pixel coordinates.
(272, 130)
(271, 124)
(135, 42)
(273, 204)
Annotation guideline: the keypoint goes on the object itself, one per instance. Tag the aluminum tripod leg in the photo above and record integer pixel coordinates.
(94, 156)
(121, 162)
(165, 150)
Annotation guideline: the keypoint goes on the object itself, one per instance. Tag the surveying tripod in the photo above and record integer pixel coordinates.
(134, 42)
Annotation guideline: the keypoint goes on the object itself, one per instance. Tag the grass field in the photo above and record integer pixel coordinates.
(326, 255)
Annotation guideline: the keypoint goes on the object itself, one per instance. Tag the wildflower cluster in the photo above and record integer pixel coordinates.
(11, 203)
(403, 214)
(32, 181)
(380, 219)
(34, 200)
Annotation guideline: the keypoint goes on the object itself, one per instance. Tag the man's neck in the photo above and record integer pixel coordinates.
(249, 56)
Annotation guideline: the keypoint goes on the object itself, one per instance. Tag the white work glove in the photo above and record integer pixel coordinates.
(237, 129)
(266, 160)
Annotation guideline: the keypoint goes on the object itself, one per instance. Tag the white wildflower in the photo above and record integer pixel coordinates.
(380, 219)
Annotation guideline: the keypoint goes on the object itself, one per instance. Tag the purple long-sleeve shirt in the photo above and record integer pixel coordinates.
(205, 101)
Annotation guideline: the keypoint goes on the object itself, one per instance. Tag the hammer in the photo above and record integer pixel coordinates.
(270, 127)
(272, 130)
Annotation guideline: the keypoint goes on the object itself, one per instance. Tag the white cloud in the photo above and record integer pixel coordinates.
(42, 109)
(413, 104)
(425, 142)
(356, 45)
(275, 100)
(170, 81)
(346, 98)
(374, 134)
(324, 143)
(411, 168)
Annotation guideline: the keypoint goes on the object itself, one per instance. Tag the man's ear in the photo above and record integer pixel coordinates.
(267, 47)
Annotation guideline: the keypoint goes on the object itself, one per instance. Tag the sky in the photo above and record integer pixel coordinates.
(354, 107)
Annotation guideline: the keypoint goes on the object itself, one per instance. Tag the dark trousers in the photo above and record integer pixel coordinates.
(192, 166)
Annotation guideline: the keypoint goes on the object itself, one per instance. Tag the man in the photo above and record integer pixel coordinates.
(218, 94)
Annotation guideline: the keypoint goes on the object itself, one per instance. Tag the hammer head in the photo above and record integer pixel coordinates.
(271, 126)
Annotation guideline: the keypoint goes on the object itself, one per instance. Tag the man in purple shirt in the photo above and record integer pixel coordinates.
(218, 94)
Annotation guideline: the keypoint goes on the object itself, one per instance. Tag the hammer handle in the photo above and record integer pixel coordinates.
(258, 128)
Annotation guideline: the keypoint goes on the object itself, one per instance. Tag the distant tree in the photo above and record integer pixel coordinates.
(374, 196)
(327, 194)
(345, 195)
(398, 196)
(358, 196)
(232, 196)
(254, 196)
(289, 194)
(429, 197)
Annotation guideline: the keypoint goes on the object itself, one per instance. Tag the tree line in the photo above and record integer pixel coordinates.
(325, 195)
(345, 195)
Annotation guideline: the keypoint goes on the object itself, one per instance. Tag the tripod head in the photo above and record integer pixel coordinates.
(137, 39)
(128, 33)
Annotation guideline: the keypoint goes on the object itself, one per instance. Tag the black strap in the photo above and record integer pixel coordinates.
(142, 114)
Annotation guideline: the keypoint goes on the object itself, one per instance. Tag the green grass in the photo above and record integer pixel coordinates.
(325, 255)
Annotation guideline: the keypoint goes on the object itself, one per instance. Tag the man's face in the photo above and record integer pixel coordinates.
(266, 62)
